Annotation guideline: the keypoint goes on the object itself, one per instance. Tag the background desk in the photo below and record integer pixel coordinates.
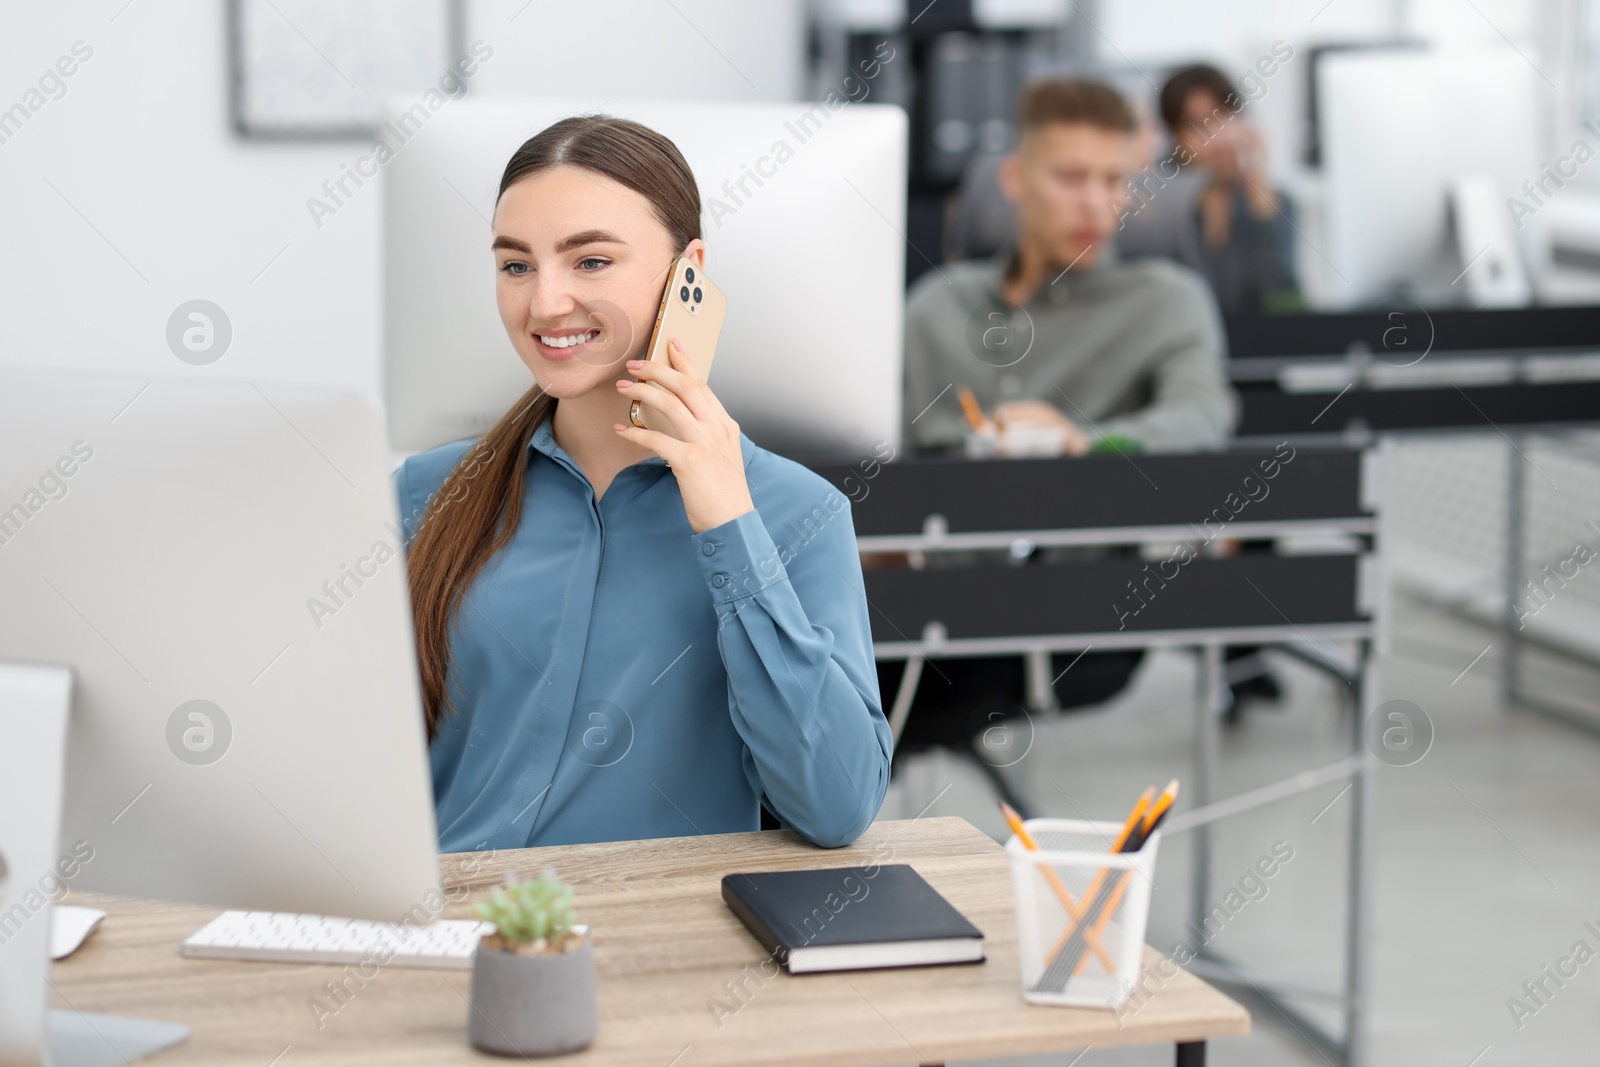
(1319, 507)
(665, 947)
(1513, 374)
(1407, 369)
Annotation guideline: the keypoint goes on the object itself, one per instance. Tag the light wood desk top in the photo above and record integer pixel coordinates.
(666, 949)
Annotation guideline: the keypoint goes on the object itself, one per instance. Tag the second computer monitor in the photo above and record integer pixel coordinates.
(1401, 128)
(803, 214)
(221, 567)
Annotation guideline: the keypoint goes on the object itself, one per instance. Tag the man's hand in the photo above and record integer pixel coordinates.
(1040, 413)
(1245, 162)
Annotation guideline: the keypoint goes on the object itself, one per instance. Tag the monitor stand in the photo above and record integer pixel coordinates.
(34, 701)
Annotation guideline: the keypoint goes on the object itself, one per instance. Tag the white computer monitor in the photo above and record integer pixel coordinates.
(1400, 129)
(812, 260)
(220, 567)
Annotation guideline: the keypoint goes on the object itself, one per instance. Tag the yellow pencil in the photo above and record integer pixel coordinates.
(1015, 822)
(1152, 818)
(1135, 817)
(969, 407)
(1159, 809)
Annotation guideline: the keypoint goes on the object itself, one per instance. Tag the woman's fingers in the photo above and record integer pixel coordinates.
(689, 430)
(686, 402)
(677, 376)
(661, 400)
(664, 445)
(702, 401)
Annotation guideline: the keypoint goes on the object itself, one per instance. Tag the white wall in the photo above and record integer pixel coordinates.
(749, 50)
(130, 194)
(1233, 34)
(141, 146)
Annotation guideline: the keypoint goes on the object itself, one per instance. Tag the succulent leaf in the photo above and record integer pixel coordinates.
(527, 911)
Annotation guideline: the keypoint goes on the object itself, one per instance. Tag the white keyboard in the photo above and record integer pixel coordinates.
(287, 937)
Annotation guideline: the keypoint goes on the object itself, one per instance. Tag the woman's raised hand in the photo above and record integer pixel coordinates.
(704, 451)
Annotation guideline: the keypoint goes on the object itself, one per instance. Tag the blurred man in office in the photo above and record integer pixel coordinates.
(1210, 204)
(1058, 334)
(1062, 332)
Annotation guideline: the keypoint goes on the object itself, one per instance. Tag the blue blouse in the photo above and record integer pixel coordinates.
(616, 675)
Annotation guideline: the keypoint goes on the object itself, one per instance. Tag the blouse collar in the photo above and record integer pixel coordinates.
(544, 440)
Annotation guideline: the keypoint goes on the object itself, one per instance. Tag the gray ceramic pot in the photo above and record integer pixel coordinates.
(533, 1005)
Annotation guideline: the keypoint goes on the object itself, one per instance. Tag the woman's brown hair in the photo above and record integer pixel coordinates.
(477, 508)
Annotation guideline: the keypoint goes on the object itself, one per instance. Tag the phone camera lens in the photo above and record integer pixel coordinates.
(698, 296)
(688, 275)
(683, 293)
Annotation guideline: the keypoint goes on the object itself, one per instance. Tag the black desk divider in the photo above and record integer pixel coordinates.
(1094, 597)
(1101, 491)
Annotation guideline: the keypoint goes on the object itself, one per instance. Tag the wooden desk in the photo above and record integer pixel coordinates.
(666, 949)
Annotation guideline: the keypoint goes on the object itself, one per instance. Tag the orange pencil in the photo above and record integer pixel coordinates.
(1158, 810)
(1014, 820)
(1135, 817)
(969, 406)
(1152, 819)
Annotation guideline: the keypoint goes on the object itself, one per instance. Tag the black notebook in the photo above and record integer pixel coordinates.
(851, 918)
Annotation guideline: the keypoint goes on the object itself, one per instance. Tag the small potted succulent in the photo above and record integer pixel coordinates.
(533, 989)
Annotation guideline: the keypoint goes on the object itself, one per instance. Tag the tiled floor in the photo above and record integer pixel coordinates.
(1487, 856)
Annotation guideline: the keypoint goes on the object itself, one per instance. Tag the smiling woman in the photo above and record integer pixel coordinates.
(612, 644)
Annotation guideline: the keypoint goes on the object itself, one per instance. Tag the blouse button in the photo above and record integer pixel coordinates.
(719, 580)
(711, 547)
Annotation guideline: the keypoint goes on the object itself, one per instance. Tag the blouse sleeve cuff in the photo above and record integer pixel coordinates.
(738, 559)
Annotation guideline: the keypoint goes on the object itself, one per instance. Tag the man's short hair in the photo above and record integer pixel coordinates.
(1186, 80)
(1074, 101)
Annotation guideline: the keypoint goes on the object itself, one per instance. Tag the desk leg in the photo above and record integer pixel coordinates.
(1192, 1054)
(1041, 694)
(1210, 697)
(1362, 817)
(901, 711)
(1510, 636)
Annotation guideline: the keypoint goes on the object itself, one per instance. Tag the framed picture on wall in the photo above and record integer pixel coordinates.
(320, 70)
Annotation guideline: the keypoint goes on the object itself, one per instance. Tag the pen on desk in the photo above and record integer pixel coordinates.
(969, 407)
(1014, 820)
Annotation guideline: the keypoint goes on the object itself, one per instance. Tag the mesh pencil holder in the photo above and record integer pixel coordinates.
(1081, 912)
